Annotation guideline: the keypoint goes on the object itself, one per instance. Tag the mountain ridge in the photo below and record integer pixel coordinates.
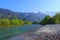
(6, 13)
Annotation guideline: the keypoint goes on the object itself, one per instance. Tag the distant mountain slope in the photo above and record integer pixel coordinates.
(5, 13)
(32, 16)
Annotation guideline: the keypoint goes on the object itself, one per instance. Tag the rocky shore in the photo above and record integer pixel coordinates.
(48, 32)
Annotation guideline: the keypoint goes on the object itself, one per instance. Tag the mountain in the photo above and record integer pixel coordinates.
(31, 16)
(5, 13)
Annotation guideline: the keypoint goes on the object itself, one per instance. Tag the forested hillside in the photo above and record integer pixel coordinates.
(10, 18)
(51, 20)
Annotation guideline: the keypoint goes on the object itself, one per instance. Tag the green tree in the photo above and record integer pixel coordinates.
(57, 18)
(46, 20)
(28, 22)
(16, 22)
(21, 22)
(4, 22)
(57, 21)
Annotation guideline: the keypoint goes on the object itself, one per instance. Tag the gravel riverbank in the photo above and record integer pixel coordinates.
(48, 32)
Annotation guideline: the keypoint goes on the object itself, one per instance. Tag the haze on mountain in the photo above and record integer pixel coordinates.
(31, 16)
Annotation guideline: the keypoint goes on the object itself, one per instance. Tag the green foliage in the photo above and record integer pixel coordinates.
(46, 20)
(57, 18)
(57, 21)
(4, 22)
(51, 20)
(16, 22)
(28, 22)
(13, 22)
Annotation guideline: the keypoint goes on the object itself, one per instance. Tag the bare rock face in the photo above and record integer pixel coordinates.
(48, 32)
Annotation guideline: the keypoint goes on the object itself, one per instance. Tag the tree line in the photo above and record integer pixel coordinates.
(13, 22)
(50, 20)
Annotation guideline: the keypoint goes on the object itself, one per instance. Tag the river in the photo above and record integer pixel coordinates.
(12, 31)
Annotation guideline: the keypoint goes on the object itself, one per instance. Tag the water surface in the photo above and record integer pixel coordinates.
(8, 32)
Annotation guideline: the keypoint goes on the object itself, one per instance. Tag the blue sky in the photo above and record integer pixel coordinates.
(31, 5)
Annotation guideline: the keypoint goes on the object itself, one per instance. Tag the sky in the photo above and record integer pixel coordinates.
(31, 5)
